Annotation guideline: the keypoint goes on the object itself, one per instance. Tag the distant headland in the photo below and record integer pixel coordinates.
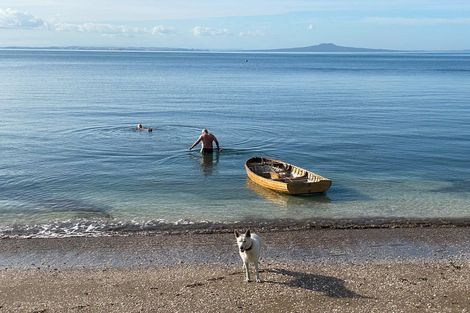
(327, 47)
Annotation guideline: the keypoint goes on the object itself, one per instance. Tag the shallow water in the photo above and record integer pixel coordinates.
(390, 130)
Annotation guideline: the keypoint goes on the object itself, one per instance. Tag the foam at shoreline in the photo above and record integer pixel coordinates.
(101, 228)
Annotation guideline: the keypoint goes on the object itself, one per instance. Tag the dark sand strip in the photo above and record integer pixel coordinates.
(332, 245)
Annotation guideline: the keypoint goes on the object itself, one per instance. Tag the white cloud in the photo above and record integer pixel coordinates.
(109, 29)
(310, 27)
(162, 30)
(20, 20)
(102, 29)
(207, 31)
(252, 33)
(65, 27)
(12, 19)
(411, 21)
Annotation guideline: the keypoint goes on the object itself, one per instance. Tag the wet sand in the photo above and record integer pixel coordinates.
(317, 270)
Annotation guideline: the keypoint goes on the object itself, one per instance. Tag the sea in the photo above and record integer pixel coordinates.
(391, 130)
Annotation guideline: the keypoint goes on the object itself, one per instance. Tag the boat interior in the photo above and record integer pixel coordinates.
(282, 172)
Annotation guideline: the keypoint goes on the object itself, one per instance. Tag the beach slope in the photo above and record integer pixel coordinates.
(367, 270)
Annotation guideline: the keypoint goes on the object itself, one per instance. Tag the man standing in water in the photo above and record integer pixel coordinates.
(207, 140)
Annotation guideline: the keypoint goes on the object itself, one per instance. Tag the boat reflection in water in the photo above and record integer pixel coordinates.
(285, 199)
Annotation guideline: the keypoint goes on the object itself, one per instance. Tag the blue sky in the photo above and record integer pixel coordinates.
(241, 24)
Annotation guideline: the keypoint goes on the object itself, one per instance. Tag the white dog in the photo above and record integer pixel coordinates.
(250, 249)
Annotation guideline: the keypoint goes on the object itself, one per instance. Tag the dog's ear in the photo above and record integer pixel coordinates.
(248, 234)
(236, 234)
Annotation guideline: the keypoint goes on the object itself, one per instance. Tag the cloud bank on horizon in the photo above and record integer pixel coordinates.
(259, 24)
(11, 19)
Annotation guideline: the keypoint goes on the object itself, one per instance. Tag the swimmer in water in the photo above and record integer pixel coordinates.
(140, 127)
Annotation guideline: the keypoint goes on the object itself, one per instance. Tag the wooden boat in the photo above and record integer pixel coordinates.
(284, 177)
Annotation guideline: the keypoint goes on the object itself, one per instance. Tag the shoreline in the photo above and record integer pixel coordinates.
(97, 228)
(430, 244)
(334, 270)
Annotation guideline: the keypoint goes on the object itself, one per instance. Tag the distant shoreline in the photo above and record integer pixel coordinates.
(321, 48)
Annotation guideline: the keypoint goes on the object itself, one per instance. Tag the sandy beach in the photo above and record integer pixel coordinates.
(317, 270)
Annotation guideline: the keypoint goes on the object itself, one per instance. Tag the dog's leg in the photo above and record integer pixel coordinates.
(257, 273)
(247, 272)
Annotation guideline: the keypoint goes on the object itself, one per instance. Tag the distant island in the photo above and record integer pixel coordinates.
(327, 47)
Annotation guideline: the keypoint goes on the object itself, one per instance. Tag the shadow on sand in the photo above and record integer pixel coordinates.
(328, 285)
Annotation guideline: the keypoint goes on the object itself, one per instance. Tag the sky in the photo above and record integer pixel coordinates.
(237, 24)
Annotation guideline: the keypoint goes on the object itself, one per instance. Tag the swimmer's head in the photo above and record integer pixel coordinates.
(140, 126)
(204, 131)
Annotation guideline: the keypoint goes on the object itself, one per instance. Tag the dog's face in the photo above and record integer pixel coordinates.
(244, 241)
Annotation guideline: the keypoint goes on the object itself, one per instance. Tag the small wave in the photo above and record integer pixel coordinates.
(101, 130)
(87, 228)
(120, 141)
(100, 228)
(83, 228)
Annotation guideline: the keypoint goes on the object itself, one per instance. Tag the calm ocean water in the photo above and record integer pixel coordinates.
(391, 130)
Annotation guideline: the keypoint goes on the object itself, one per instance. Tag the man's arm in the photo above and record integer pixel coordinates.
(196, 142)
(216, 142)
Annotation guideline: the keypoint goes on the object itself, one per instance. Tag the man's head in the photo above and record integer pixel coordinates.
(204, 131)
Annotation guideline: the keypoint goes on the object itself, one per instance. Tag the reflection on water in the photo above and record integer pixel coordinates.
(207, 162)
(77, 208)
(50, 209)
(284, 199)
(455, 186)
